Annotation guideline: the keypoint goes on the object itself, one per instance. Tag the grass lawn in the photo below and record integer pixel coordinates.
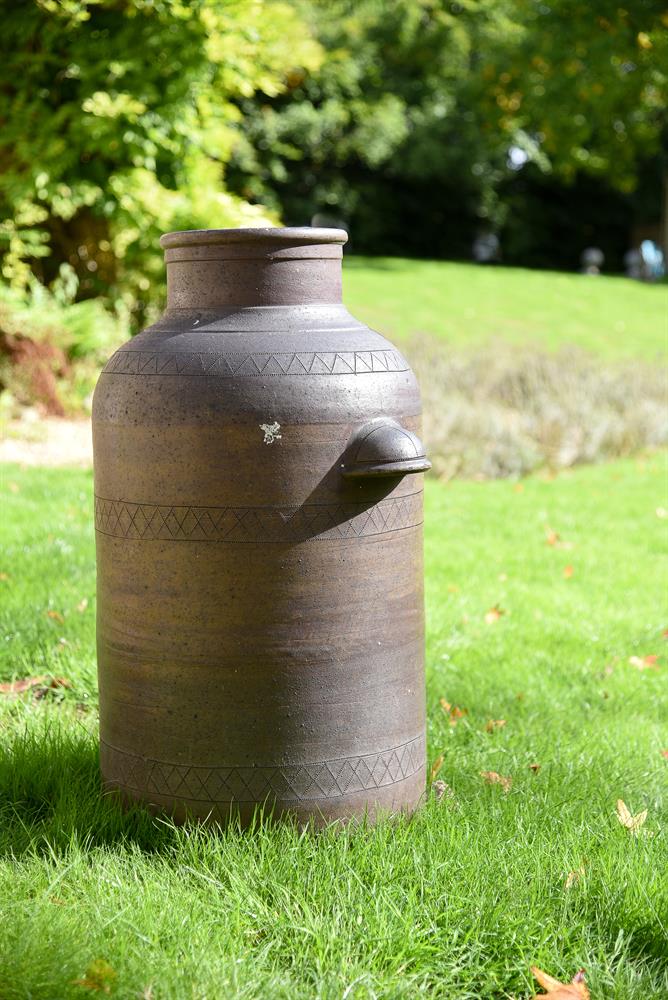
(455, 903)
(470, 305)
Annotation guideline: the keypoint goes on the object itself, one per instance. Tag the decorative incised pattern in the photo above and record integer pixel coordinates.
(282, 363)
(310, 522)
(224, 783)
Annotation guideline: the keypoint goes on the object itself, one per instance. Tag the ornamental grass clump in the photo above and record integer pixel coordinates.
(507, 411)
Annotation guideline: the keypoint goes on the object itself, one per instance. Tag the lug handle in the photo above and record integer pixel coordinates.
(384, 448)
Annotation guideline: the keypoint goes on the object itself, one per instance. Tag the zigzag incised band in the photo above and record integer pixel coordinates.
(310, 522)
(232, 783)
(281, 363)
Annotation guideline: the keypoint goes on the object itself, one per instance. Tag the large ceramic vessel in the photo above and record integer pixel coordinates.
(259, 543)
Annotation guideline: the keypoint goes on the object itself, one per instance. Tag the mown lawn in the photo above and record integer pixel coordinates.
(455, 903)
(471, 306)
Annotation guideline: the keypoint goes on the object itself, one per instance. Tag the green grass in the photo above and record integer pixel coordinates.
(469, 305)
(455, 903)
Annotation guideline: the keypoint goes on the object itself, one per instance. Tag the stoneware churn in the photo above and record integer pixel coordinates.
(259, 543)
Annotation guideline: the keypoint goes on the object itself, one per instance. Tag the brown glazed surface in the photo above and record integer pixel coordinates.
(259, 543)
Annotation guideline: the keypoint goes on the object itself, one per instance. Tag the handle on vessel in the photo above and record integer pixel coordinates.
(384, 448)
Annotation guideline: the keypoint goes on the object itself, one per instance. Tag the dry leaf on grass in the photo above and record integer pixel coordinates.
(553, 538)
(494, 724)
(535, 768)
(4, 576)
(454, 712)
(568, 572)
(494, 778)
(644, 662)
(441, 789)
(18, 687)
(100, 976)
(82, 605)
(27, 683)
(632, 823)
(436, 767)
(574, 877)
(56, 615)
(556, 990)
(664, 753)
(494, 614)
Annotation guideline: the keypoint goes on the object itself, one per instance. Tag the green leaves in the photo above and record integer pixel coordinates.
(117, 121)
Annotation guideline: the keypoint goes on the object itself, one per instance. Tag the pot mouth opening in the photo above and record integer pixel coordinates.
(269, 237)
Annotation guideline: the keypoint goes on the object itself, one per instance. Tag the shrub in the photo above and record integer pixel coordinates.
(51, 348)
(507, 411)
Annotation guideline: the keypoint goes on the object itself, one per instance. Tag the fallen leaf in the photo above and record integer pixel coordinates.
(664, 753)
(55, 683)
(494, 724)
(453, 588)
(494, 614)
(557, 990)
(4, 577)
(493, 778)
(82, 605)
(665, 632)
(18, 687)
(644, 662)
(99, 976)
(568, 572)
(535, 768)
(56, 615)
(441, 789)
(454, 712)
(436, 767)
(27, 683)
(518, 488)
(574, 877)
(632, 823)
(554, 539)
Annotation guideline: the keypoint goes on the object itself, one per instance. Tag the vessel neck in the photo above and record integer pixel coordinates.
(244, 267)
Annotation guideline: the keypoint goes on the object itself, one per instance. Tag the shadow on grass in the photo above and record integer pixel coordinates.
(51, 798)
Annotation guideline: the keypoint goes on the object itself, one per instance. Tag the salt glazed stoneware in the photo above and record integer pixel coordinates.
(259, 543)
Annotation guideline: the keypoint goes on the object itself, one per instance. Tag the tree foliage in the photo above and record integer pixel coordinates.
(118, 117)
(423, 110)
(121, 119)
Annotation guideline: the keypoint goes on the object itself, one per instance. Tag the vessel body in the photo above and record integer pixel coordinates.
(260, 599)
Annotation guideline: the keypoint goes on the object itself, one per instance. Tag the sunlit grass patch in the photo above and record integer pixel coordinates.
(458, 901)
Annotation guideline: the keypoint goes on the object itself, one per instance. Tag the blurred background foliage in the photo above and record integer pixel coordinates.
(419, 124)
(428, 121)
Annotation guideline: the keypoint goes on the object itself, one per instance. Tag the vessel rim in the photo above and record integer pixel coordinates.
(275, 234)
